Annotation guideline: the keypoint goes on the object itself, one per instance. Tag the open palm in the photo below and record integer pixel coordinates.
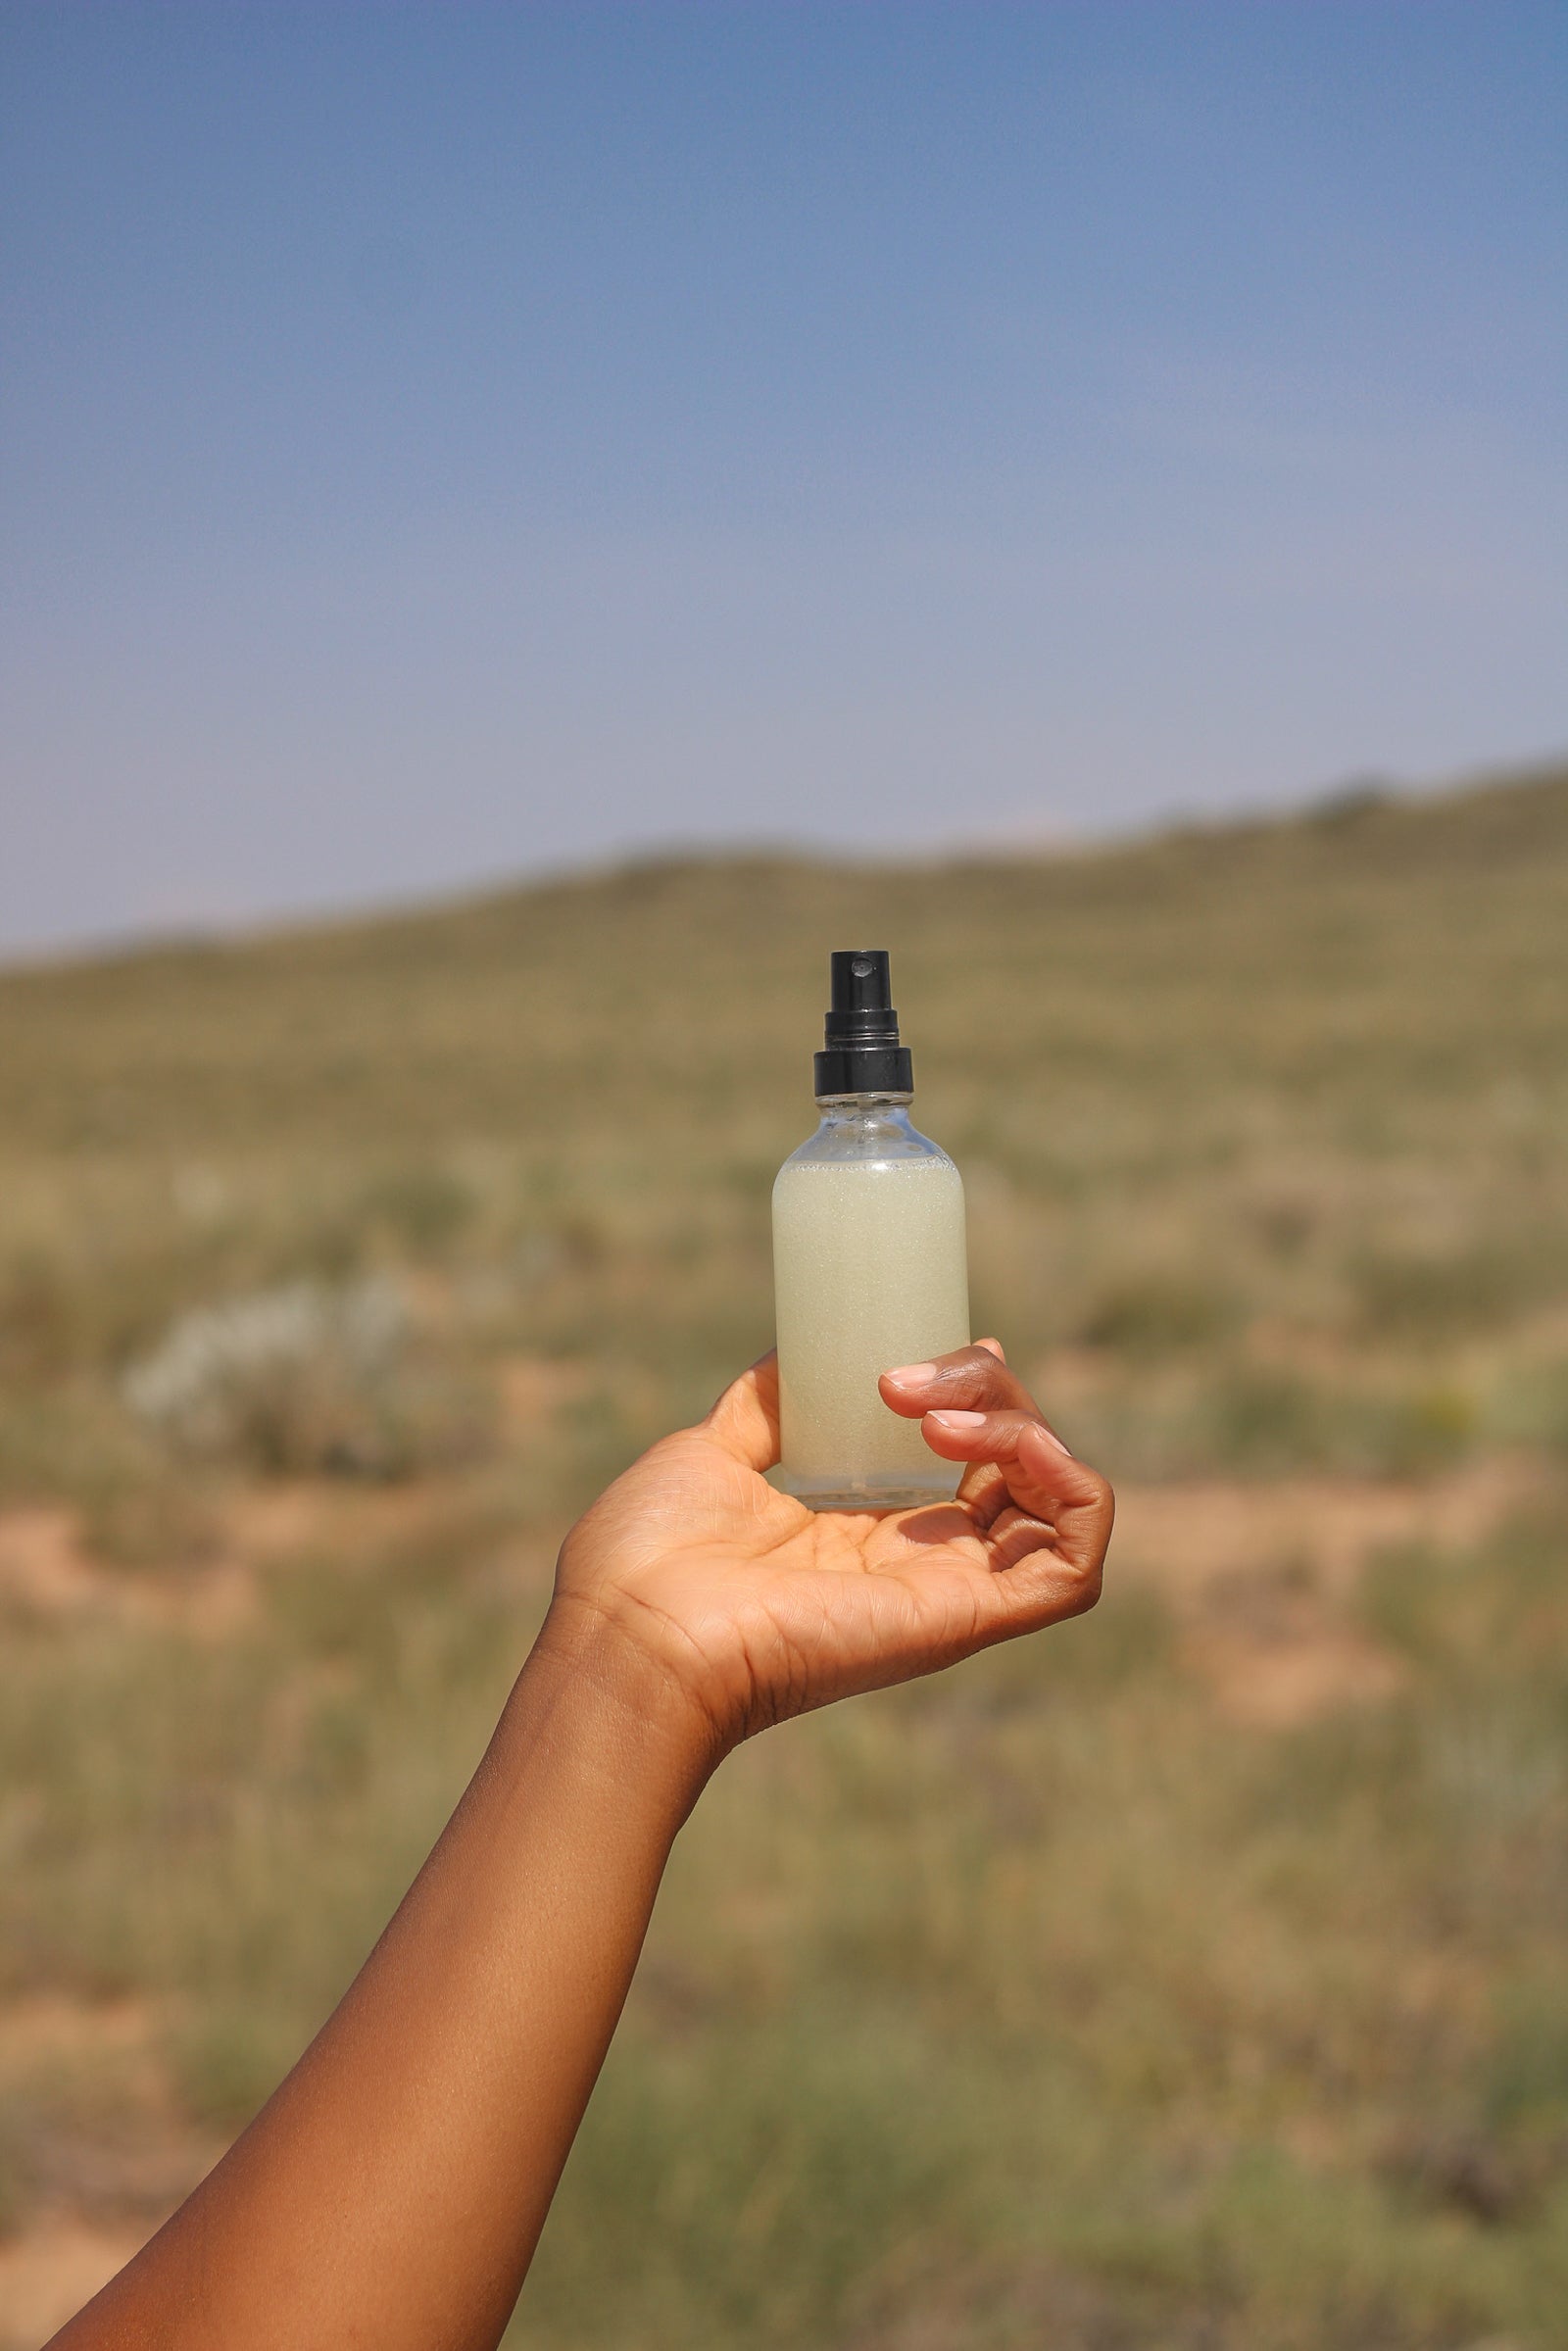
(756, 1607)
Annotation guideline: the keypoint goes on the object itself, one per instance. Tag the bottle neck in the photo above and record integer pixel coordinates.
(862, 1106)
(872, 1128)
(864, 1113)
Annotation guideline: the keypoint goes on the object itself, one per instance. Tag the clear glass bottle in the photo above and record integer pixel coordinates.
(869, 1265)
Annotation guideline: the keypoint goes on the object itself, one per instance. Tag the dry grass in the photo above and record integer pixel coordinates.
(1192, 1977)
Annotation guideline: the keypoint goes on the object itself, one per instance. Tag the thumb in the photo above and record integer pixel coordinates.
(744, 1419)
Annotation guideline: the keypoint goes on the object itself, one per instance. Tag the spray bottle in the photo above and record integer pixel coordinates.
(869, 1268)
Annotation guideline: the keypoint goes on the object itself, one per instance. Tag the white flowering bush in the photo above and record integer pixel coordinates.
(307, 1378)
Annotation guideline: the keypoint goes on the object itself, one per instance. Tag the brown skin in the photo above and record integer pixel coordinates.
(392, 2191)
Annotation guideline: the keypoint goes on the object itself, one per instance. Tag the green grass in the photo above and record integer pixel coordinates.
(1043, 2003)
(1116, 1995)
(1041, 1987)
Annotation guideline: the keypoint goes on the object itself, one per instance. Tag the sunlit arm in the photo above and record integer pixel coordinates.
(392, 2191)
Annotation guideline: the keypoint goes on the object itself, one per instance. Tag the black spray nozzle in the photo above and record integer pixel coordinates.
(861, 998)
(861, 1034)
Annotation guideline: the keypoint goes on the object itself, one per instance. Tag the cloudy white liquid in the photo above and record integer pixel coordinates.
(869, 1271)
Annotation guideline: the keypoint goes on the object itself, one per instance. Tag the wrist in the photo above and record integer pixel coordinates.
(627, 1698)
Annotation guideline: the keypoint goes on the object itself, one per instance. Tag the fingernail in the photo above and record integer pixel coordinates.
(1052, 1440)
(912, 1375)
(958, 1420)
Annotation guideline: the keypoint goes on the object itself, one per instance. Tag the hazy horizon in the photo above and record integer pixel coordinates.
(444, 449)
(329, 912)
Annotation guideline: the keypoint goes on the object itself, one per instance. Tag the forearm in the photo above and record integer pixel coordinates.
(393, 2189)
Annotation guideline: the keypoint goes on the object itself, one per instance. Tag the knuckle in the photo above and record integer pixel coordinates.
(972, 1377)
(1090, 1586)
(1098, 1500)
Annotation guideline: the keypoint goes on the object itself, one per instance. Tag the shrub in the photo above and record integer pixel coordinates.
(306, 1378)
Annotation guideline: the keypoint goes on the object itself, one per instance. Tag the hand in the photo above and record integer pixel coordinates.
(740, 1606)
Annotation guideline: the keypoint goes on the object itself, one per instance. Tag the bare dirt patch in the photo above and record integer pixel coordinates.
(265, 1524)
(1261, 1577)
(51, 2027)
(108, 2153)
(42, 1564)
(1290, 1677)
(51, 2269)
(1193, 1536)
(533, 1388)
(46, 1570)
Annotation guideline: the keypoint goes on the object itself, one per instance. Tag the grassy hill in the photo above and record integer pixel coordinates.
(1281, 1105)
(1090, 2003)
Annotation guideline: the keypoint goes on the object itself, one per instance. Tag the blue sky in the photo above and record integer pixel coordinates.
(440, 443)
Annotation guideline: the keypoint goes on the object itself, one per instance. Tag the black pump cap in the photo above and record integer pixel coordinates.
(861, 1034)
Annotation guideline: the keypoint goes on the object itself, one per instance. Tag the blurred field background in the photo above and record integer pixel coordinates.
(1195, 1975)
